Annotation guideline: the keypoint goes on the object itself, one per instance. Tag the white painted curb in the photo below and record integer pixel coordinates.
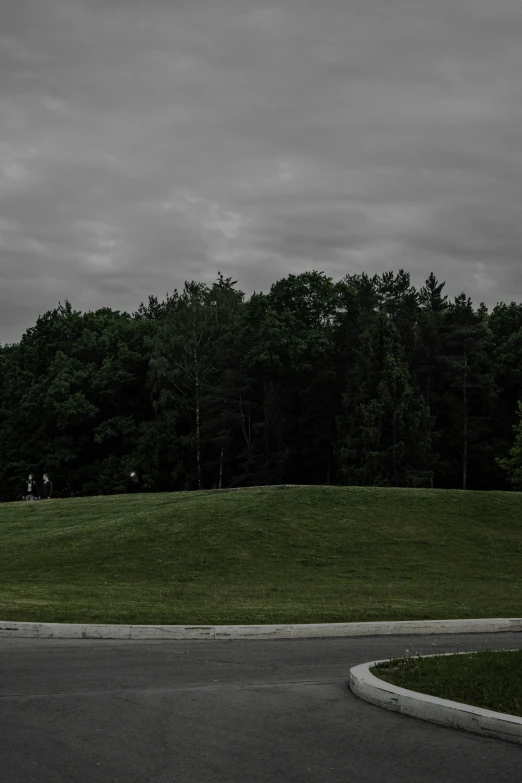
(443, 711)
(13, 630)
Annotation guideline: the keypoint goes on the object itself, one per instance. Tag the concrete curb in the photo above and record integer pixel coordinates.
(11, 630)
(443, 711)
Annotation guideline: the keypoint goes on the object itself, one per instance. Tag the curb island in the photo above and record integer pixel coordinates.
(445, 712)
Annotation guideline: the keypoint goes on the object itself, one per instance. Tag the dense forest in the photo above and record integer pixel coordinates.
(366, 381)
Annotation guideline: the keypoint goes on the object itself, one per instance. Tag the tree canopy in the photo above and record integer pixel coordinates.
(364, 381)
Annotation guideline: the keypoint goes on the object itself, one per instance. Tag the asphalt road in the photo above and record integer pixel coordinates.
(228, 711)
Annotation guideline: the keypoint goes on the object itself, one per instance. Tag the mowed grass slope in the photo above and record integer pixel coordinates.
(263, 555)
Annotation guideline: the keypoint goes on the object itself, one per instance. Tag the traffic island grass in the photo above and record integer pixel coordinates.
(263, 555)
(491, 680)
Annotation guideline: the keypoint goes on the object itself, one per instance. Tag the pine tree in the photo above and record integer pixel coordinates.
(427, 351)
(468, 392)
(386, 427)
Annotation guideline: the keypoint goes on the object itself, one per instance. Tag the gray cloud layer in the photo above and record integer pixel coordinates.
(146, 143)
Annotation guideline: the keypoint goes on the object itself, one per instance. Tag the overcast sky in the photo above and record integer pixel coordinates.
(148, 142)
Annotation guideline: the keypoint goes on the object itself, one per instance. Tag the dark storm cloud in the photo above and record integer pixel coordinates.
(142, 144)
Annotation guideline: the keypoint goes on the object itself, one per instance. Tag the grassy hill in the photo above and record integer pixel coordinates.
(263, 555)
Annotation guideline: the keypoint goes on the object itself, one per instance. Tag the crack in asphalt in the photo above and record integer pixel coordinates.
(166, 690)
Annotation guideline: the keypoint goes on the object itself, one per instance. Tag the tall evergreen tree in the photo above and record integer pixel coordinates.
(468, 394)
(385, 432)
(399, 299)
(426, 355)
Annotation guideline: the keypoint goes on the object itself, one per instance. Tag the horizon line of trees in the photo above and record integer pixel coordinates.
(366, 381)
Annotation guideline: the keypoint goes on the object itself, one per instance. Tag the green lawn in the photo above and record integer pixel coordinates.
(491, 680)
(263, 555)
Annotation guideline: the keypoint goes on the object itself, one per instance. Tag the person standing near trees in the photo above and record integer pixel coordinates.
(47, 488)
(32, 489)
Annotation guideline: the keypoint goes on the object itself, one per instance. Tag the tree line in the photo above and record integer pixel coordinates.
(365, 381)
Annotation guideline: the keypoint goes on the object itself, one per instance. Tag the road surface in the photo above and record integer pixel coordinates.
(77, 711)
